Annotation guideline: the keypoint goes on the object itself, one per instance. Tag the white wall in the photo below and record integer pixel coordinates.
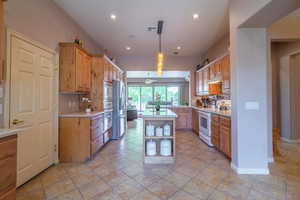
(43, 21)
(251, 129)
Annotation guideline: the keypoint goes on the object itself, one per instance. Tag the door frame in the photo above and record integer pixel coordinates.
(9, 34)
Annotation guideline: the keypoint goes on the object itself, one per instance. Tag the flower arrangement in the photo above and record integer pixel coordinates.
(157, 102)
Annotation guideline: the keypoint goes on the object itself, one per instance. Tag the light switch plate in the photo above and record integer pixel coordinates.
(1, 92)
(252, 105)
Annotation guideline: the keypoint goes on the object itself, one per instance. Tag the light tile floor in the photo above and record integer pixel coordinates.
(200, 172)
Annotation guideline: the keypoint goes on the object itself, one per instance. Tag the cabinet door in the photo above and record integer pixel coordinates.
(197, 83)
(225, 68)
(181, 121)
(211, 72)
(87, 73)
(8, 164)
(205, 80)
(225, 136)
(2, 47)
(215, 131)
(80, 70)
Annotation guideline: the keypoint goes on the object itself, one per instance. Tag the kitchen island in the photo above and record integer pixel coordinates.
(159, 136)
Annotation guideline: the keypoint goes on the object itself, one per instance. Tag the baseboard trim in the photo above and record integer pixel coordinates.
(290, 141)
(262, 171)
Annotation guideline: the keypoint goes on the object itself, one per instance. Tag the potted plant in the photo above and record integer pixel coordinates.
(157, 102)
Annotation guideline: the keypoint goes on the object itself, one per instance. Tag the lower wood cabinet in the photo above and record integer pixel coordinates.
(8, 167)
(81, 137)
(184, 117)
(221, 134)
(215, 131)
(195, 121)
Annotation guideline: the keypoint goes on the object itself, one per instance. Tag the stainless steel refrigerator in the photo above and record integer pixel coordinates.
(119, 109)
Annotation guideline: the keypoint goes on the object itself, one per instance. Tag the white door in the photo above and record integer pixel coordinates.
(31, 108)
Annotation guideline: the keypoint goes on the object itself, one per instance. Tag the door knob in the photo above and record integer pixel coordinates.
(16, 121)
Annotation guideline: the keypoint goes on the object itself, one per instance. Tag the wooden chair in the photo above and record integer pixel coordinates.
(276, 138)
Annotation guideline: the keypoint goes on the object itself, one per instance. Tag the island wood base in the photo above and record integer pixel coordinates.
(159, 119)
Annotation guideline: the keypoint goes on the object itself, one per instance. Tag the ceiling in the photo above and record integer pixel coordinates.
(133, 17)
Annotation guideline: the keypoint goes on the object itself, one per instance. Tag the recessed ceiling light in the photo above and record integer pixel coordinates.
(128, 48)
(195, 16)
(178, 48)
(113, 16)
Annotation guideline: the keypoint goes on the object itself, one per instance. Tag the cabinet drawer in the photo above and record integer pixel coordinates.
(96, 144)
(8, 174)
(95, 133)
(97, 122)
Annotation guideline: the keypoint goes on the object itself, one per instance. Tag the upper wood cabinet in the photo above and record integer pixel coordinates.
(205, 81)
(214, 70)
(217, 71)
(75, 68)
(2, 43)
(97, 83)
(225, 68)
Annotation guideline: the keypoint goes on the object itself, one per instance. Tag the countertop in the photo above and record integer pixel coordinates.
(82, 114)
(7, 132)
(226, 113)
(163, 113)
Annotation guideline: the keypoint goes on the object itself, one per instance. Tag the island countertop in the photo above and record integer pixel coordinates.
(163, 113)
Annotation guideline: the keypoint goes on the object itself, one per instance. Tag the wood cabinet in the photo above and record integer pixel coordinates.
(199, 83)
(2, 39)
(8, 167)
(195, 121)
(215, 131)
(205, 81)
(221, 134)
(184, 117)
(81, 137)
(214, 71)
(225, 135)
(219, 70)
(75, 68)
(225, 68)
(97, 83)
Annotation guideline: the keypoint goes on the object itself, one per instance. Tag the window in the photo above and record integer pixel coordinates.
(141, 95)
(146, 96)
(173, 95)
(134, 94)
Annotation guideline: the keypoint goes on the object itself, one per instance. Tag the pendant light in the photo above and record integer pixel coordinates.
(160, 55)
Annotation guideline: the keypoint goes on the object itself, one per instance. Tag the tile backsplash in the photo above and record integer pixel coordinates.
(68, 103)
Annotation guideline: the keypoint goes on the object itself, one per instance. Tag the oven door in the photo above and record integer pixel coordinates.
(107, 91)
(204, 124)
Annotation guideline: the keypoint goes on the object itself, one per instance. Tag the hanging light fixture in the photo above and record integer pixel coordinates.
(160, 55)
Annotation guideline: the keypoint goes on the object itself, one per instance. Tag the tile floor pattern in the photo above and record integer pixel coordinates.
(118, 173)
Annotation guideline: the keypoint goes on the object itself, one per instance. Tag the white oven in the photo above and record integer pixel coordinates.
(205, 127)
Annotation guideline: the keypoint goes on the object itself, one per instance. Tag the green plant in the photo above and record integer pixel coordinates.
(157, 102)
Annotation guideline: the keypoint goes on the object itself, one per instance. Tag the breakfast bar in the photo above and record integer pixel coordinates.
(159, 136)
